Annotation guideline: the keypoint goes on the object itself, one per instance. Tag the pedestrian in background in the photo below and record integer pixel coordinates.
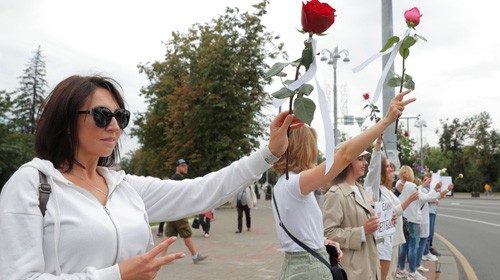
(245, 200)
(205, 219)
(182, 227)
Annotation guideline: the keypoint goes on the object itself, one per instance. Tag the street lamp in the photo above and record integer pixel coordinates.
(421, 124)
(333, 56)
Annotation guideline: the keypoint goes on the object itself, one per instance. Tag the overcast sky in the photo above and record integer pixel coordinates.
(456, 72)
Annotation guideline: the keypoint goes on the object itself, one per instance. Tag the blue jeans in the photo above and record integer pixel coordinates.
(432, 222)
(410, 248)
(420, 251)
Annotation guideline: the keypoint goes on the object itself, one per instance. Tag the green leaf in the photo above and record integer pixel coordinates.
(305, 89)
(281, 74)
(404, 53)
(394, 82)
(296, 63)
(304, 108)
(410, 84)
(287, 82)
(283, 93)
(276, 69)
(408, 78)
(367, 105)
(307, 56)
(408, 42)
(390, 42)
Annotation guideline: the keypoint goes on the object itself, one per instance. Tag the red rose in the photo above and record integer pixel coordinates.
(317, 17)
(412, 17)
(366, 96)
(406, 134)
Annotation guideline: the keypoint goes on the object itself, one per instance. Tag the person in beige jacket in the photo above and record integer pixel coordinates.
(349, 219)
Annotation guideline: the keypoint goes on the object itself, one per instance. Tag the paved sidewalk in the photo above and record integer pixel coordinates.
(254, 254)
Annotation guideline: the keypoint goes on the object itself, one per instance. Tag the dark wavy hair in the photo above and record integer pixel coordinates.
(56, 136)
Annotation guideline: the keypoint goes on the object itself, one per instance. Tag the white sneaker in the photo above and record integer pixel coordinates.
(429, 257)
(422, 268)
(411, 276)
(419, 276)
(401, 274)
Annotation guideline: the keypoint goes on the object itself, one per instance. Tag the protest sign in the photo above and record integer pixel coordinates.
(384, 211)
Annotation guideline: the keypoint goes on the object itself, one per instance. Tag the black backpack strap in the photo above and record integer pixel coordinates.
(44, 190)
(304, 246)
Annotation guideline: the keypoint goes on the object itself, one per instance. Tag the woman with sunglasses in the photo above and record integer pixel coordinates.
(96, 223)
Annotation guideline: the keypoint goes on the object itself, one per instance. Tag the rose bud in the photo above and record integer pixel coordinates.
(412, 17)
(317, 17)
(366, 96)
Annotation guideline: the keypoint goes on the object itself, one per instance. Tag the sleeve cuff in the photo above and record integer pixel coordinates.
(363, 236)
(111, 273)
(269, 158)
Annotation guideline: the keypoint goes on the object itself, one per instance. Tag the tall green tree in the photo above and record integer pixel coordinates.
(205, 97)
(31, 93)
(15, 147)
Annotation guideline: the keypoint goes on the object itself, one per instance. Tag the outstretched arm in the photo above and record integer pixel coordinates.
(315, 178)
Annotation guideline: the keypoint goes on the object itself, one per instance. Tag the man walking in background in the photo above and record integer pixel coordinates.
(182, 227)
(245, 200)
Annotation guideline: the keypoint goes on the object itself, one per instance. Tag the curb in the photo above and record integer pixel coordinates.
(469, 271)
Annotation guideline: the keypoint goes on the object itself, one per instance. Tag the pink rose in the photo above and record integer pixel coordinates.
(366, 96)
(413, 17)
(317, 17)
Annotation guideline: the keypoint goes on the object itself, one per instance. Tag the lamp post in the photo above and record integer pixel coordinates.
(333, 56)
(421, 124)
(408, 121)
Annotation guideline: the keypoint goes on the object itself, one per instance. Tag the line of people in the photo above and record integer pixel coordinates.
(104, 214)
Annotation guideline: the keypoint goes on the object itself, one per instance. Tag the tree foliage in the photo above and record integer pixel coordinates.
(205, 97)
(15, 147)
(30, 94)
(472, 148)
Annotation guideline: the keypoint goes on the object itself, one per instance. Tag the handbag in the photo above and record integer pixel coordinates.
(338, 273)
(196, 223)
(406, 231)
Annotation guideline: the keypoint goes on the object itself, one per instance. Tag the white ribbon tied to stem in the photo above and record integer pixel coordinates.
(325, 116)
(394, 51)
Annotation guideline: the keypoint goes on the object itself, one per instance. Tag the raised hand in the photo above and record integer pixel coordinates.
(147, 265)
(278, 140)
(397, 105)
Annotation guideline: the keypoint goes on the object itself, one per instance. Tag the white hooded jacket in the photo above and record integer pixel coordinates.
(79, 238)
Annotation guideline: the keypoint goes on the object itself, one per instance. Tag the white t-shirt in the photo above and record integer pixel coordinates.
(413, 212)
(299, 213)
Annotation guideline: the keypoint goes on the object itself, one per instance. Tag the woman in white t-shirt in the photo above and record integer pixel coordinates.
(295, 199)
(413, 215)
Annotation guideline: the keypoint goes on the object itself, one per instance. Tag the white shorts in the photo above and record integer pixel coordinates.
(385, 249)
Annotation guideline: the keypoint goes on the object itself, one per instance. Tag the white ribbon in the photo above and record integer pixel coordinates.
(302, 80)
(327, 127)
(327, 122)
(394, 51)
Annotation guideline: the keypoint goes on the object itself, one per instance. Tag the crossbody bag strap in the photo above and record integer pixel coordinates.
(44, 190)
(304, 246)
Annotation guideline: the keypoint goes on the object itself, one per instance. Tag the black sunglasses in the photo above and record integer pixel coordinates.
(103, 116)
